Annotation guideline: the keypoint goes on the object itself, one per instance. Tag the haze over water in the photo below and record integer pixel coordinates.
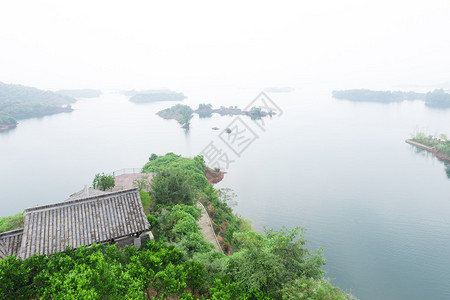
(339, 169)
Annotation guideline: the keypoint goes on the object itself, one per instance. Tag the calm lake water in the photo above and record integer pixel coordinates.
(379, 208)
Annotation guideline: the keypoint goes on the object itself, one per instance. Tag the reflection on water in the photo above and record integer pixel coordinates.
(340, 169)
(447, 169)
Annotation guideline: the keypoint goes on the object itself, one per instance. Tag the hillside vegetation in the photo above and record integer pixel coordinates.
(179, 263)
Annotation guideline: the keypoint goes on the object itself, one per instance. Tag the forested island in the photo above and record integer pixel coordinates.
(81, 93)
(20, 102)
(148, 96)
(183, 113)
(377, 96)
(179, 263)
(437, 98)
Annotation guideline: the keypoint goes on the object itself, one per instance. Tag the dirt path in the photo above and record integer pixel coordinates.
(206, 228)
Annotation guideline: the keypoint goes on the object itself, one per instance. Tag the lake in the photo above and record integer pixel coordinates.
(378, 207)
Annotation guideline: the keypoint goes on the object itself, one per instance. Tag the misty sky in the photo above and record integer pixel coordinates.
(171, 44)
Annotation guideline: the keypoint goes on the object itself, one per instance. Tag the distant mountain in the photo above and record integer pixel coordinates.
(18, 101)
(133, 92)
(279, 89)
(81, 93)
(156, 95)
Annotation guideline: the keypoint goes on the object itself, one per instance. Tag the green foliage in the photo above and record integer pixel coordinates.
(172, 186)
(152, 220)
(103, 182)
(266, 262)
(180, 264)
(181, 113)
(437, 98)
(225, 223)
(146, 201)
(102, 272)
(171, 160)
(152, 157)
(178, 226)
(6, 119)
(22, 102)
(441, 144)
(310, 288)
(12, 222)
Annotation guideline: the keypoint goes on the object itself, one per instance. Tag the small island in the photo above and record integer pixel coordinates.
(21, 102)
(183, 113)
(81, 93)
(206, 111)
(439, 146)
(438, 98)
(149, 96)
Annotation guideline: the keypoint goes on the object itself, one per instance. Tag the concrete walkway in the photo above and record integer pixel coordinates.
(206, 228)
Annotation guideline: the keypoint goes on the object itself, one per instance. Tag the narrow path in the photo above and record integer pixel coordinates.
(206, 228)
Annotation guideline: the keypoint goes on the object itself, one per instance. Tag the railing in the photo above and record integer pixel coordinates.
(210, 224)
(125, 171)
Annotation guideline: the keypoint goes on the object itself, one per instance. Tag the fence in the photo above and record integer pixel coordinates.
(125, 171)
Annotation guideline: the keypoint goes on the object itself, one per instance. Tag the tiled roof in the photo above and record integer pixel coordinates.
(10, 242)
(51, 228)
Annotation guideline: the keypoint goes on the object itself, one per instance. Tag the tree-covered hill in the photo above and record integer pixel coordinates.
(18, 101)
(179, 263)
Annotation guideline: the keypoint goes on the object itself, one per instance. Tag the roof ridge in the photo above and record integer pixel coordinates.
(11, 232)
(76, 201)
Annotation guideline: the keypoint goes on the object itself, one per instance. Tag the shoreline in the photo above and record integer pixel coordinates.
(429, 149)
(7, 127)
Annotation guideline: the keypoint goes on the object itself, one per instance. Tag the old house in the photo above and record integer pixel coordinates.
(116, 217)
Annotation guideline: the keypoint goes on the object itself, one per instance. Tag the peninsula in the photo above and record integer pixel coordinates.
(21, 102)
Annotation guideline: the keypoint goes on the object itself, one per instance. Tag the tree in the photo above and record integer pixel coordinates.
(172, 186)
(142, 183)
(103, 182)
(152, 157)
